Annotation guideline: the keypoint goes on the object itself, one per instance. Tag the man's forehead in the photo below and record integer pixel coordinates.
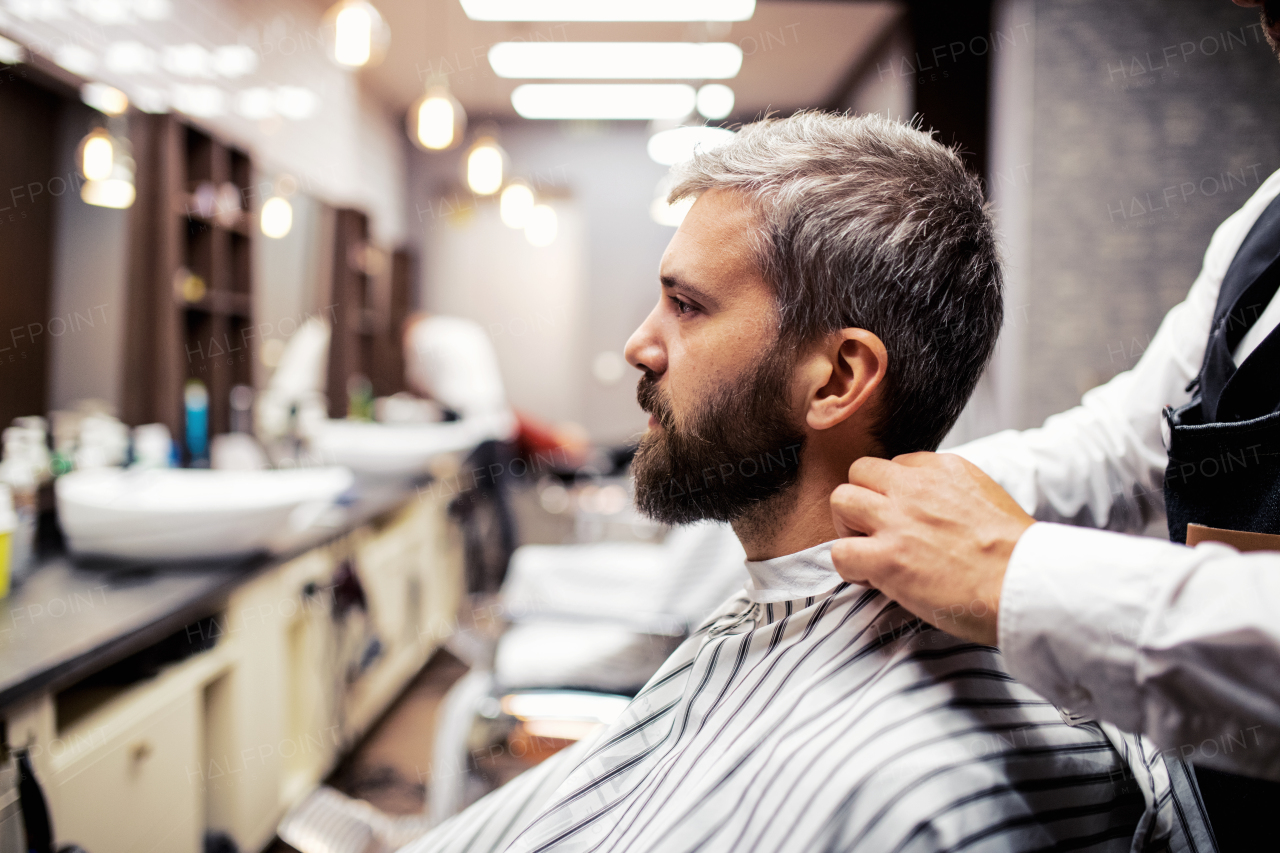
(713, 251)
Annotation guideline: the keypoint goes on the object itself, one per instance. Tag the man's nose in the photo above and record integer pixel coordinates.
(644, 349)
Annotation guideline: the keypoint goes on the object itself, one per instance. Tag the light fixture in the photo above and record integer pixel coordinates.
(603, 100)
(97, 155)
(276, 219)
(609, 10)
(11, 53)
(669, 147)
(113, 193)
(436, 120)
(108, 171)
(542, 226)
(561, 60)
(515, 205)
(485, 165)
(715, 101)
(105, 99)
(360, 35)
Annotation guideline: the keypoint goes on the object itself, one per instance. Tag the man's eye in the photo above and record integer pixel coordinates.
(681, 306)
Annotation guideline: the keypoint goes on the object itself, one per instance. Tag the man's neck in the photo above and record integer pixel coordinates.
(790, 522)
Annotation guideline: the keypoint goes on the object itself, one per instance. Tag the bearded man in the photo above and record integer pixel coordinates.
(833, 293)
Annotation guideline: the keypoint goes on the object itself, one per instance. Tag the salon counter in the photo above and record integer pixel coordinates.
(159, 702)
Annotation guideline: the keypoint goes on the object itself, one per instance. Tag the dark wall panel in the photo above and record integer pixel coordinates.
(1154, 120)
(28, 182)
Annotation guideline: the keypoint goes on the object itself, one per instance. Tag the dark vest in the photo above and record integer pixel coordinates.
(1224, 471)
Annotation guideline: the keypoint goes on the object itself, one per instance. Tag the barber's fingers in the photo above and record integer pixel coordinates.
(860, 559)
(878, 475)
(857, 510)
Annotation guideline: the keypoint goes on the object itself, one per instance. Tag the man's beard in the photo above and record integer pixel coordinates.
(738, 449)
(1270, 11)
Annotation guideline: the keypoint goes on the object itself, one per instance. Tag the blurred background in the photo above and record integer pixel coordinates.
(311, 344)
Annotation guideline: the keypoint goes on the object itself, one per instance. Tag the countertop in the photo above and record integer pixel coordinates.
(69, 619)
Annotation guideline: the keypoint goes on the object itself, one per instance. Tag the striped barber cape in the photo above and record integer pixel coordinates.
(808, 714)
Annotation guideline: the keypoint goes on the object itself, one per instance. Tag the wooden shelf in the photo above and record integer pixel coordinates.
(188, 181)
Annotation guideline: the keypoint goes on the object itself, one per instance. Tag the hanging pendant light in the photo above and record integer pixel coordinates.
(516, 204)
(486, 166)
(108, 170)
(360, 35)
(436, 121)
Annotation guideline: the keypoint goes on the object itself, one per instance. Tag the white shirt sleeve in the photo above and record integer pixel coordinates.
(1176, 643)
(1180, 644)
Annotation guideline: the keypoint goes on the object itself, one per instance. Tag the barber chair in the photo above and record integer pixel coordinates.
(587, 626)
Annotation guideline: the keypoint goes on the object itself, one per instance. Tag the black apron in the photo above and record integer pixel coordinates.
(1224, 471)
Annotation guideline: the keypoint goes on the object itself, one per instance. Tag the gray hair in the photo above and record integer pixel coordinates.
(871, 223)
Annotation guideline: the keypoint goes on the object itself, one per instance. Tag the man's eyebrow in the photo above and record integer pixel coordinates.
(672, 281)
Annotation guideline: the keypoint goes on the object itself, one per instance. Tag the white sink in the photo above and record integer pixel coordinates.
(183, 514)
(401, 450)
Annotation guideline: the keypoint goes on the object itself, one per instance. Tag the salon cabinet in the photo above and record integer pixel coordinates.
(298, 664)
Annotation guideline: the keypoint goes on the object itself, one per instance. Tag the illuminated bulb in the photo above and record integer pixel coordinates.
(541, 228)
(436, 120)
(97, 158)
(277, 217)
(115, 193)
(515, 205)
(104, 98)
(484, 168)
(715, 101)
(352, 41)
(678, 144)
(360, 35)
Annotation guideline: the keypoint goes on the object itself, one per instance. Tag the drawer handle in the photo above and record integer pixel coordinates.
(140, 751)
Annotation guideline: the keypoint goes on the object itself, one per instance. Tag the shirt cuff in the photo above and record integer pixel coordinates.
(1072, 611)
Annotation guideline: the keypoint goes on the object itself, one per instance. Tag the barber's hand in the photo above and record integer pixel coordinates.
(937, 534)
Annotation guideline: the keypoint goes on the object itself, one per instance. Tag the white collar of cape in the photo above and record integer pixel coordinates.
(793, 576)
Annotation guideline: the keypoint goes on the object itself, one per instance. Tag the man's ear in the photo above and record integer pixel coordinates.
(848, 368)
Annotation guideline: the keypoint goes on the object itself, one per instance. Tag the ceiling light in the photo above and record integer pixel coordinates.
(114, 193)
(235, 60)
(199, 101)
(669, 147)
(515, 206)
(256, 103)
(715, 101)
(436, 120)
(542, 226)
(107, 169)
(76, 59)
(97, 155)
(104, 98)
(277, 217)
(609, 10)
(11, 53)
(295, 102)
(187, 60)
(360, 35)
(130, 57)
(615, 60)
(149, 99)
(105, 13)
(153, 10)
(603, 101)
(485, 167)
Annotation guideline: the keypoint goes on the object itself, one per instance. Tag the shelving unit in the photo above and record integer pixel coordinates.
(354, 294)
(190, 272)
